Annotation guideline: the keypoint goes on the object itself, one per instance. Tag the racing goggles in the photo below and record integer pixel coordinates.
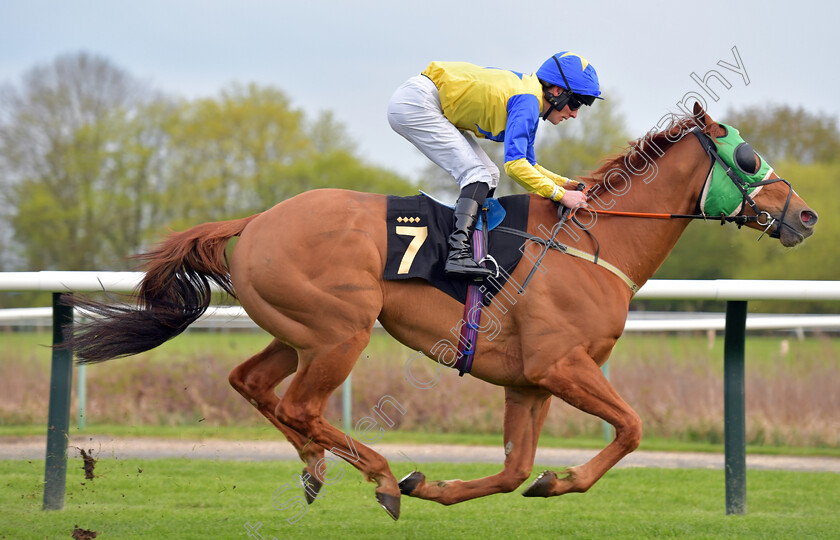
(576, 100)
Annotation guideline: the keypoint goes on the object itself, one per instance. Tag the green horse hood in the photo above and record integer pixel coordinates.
(720, 194)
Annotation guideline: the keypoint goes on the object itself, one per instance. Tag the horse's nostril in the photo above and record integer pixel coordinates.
(808, 218)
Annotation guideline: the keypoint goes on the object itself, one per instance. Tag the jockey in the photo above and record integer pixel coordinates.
(435, 109)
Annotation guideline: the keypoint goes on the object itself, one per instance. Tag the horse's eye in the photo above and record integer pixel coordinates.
(746, 158)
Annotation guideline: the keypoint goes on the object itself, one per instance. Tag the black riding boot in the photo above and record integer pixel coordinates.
(460, 260)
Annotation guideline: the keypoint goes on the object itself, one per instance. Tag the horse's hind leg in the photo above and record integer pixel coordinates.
(256, 379)
(525, 412)
(320, 372)
(579, 381)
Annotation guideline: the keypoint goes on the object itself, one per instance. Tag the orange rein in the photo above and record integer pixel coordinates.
(632, 214)
(650, 215)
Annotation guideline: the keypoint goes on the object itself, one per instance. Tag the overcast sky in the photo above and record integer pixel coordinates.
(349, 56)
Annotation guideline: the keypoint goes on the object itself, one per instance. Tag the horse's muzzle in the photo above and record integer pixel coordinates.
(793, 232)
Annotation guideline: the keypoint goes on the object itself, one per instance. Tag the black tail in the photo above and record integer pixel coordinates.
(175, 292)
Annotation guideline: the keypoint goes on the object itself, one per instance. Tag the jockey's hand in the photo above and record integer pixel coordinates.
(572, 199)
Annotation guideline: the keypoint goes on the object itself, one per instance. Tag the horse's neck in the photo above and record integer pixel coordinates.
(638, 246)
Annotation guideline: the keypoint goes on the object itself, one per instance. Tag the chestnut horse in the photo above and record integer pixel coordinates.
(309, 271)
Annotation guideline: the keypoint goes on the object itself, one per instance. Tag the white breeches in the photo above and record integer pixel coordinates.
(415, 113)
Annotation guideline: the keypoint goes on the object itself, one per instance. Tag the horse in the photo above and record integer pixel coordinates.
(309, 272)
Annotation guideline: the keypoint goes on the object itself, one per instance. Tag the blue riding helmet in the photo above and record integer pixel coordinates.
(572, 72)
(578, 80)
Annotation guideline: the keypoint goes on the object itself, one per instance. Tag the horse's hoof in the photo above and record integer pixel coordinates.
(410, 482)
(312, 488)
(390, 503)
(541, 486)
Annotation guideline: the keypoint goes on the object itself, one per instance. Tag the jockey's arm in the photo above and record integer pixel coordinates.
(554, 177)
(523, 115)
(538, 179)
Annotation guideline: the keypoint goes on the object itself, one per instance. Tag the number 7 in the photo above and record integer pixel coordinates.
(419, 234)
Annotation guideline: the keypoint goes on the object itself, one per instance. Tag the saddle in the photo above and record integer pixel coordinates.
(419, 225)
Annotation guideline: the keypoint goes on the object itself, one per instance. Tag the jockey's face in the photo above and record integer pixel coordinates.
(558, 116)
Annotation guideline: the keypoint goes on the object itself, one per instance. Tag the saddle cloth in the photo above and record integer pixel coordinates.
(418, 228)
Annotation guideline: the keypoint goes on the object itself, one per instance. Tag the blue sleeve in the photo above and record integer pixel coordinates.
(523, 114)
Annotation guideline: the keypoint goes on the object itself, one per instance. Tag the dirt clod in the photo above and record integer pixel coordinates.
(89, 463)
(84, 534)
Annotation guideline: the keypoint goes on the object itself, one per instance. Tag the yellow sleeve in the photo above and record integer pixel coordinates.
(533, 180)
(556, 178)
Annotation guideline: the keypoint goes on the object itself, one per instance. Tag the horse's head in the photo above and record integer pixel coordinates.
(752, 187)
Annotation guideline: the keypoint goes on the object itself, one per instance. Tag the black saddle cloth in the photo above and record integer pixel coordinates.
(418, 228)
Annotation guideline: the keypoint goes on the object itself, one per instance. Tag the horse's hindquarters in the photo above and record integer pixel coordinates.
(308, 271)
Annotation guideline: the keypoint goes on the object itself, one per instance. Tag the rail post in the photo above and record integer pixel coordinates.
(58, 422)
(606, 426)
(347, 402)
(734, 409)
(81, 395)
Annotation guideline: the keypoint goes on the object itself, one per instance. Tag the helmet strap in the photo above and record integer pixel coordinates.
(557, 102)
(548, 110)
(565, 80)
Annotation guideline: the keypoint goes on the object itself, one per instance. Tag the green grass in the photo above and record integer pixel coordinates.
(396, 436)
(174, 498)
(237, 344)
(240, 345)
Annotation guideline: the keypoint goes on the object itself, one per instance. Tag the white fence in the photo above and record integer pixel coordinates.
(714, 289)
(229, 317)
(235, 316)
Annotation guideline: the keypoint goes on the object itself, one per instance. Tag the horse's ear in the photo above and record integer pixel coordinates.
(700, 117)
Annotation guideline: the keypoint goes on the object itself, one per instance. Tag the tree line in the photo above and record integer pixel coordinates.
(95, 165)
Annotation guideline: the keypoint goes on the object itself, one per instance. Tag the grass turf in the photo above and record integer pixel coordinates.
(396, 436)
(176, 498)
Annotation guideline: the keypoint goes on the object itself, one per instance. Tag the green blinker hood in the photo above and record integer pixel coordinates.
(720, 195)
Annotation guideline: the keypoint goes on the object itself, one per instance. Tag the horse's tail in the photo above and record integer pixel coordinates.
(174, 293)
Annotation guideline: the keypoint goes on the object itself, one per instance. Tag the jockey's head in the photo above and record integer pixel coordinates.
(568, 79)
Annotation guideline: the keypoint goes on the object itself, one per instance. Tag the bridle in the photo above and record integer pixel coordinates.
(761, 217)
(740, 219)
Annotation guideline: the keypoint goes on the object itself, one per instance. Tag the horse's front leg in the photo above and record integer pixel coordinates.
(525, 411)
(579, 381)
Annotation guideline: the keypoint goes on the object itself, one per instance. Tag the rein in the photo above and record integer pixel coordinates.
(761, 217)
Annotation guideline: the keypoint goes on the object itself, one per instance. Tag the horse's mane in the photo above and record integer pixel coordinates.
(643, 150)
